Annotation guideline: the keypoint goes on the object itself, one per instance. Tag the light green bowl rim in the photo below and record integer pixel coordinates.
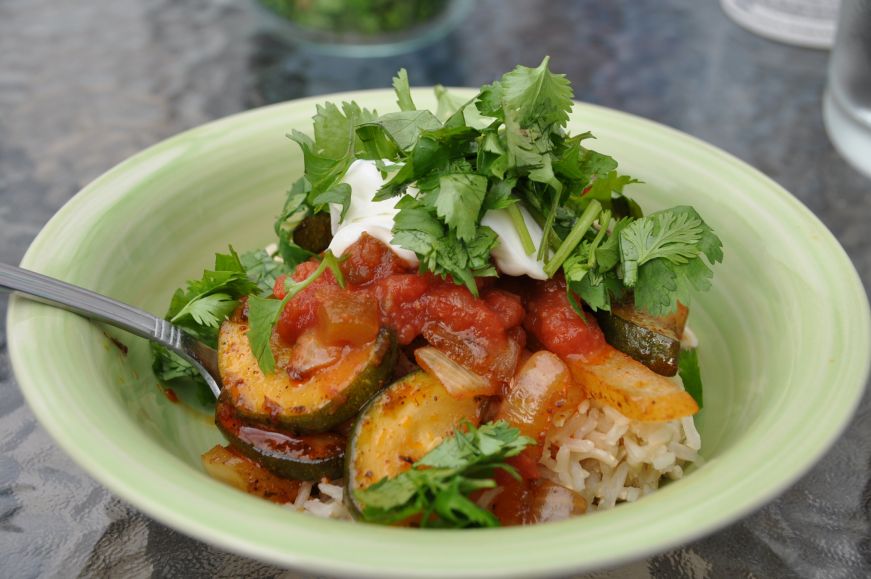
(553, 549)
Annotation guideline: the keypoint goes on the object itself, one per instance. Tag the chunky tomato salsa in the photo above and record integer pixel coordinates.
(485, 334)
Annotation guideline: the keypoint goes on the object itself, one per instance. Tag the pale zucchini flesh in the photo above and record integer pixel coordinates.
(403, 423)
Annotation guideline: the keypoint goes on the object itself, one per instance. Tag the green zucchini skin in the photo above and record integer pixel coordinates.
(398, 427)
(285, 454)
(314, 233)
(655, 342)
(325, 400)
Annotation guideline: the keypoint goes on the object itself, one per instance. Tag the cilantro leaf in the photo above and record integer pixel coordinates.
(539, 97)
(340, 194)
(417, 228)
(169, 366)
(332, 131)
(208, 310)
(263, 269)
(328, 156)
(403, 91)
(489, 100)
(526, 147)
(207, 301)
(459, 202)
(662, 257)
(263, 313)
(321, 171)
(656, 288)
(605, 186)
(452, 110)
(296, 209)
(199, 310)
(608, 252)
(499, 196)
(376, 143)
(665, 235)
(577, 163)
(492, 155)
(690, 375)
(446, 103)
(437, 486)
(405, 127)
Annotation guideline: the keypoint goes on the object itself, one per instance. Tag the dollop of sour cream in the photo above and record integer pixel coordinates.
(376, 219)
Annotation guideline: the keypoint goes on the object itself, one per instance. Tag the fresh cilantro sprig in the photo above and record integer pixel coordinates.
(263, 269)
(437, 486)
(507, 149)
(263, 312)
(200, 308)
(662, 258)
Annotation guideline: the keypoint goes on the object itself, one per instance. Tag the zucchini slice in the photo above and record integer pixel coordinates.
(315, 404)
(313, 233)
(288, 455)
(653, 341)
(407, 420)
(228, 466)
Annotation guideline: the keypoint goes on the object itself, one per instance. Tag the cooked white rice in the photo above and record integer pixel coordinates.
(608, 458)
(323, 499)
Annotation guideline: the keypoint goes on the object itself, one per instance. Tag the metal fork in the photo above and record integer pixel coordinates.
(98, 307)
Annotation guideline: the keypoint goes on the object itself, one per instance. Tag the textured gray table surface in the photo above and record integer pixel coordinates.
(85, 84)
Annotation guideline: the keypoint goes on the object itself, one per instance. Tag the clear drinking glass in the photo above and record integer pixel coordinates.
(847, 102)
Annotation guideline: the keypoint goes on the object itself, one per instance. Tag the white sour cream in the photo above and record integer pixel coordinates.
(373, 217)
(376, 219)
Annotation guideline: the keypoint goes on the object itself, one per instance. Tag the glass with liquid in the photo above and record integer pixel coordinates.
(847, 102)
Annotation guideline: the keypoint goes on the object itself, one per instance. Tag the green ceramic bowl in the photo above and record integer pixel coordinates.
(784, 349)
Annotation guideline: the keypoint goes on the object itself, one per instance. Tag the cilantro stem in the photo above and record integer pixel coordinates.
(520, 225)
(553, 240)
(547, 228)
(604, 221)
(294, 287)
(574, 237)
(263, 313)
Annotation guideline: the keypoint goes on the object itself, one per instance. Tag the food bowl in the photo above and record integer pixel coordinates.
(784, 349)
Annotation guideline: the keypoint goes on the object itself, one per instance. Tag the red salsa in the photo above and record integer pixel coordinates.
(485, 334)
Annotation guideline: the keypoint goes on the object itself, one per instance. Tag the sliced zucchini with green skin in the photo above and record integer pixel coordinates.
(314, 233)
(408, 419)
(315, 404)
(655, 342)
(288, 455)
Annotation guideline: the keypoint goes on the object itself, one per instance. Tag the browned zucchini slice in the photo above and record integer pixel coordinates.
(316, 403)
(288, 455)
(230, 467)
(408, 419)
(653, 341)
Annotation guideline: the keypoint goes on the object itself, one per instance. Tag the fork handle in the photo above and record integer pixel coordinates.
(104, 309)
(84, 302)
